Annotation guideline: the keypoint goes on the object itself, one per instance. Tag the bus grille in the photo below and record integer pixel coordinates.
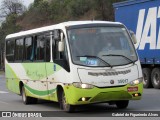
(109, 73)
(109, 96)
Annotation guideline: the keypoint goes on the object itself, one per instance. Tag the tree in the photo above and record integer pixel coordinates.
(105, 9)
(12, 7)
(10, 10)
(37, 2)
(79, 7)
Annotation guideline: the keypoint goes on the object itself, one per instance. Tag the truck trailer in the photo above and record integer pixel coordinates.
(143, 18)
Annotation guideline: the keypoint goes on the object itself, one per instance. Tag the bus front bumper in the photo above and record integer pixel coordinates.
(78, 96)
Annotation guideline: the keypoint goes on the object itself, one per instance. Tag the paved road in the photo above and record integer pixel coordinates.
(12, 102)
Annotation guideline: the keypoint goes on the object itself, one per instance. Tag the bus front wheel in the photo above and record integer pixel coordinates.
(63, 103)
(122, 104)
(26, 99)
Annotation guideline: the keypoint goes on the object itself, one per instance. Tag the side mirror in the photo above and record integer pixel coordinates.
(133, 36)
(60, 46)
(61, 43)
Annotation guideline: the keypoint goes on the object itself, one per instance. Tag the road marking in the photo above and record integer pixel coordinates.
(3, 102)
(2, 92)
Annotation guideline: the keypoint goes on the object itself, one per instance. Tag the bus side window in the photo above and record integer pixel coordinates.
(10, 50)
(61, 58)
(64, 54)
(39, 47)
(56, 52)
(19, 50)
(58, 55)
(28, 48)
(47, 46)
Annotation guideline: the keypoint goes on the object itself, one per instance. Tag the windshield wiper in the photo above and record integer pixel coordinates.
(97, 58)
(121, 56)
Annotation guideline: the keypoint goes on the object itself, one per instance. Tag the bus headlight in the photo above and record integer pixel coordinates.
(136, 82)
(83, 85)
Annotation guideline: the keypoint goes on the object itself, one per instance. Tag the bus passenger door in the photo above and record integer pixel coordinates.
(50, 67)
(57, 65)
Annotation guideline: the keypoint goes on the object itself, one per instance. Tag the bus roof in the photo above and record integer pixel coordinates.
(56, 26)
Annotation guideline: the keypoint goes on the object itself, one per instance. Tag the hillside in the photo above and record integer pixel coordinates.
(47, 12)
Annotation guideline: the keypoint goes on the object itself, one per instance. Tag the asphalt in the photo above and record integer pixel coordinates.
(10, 102)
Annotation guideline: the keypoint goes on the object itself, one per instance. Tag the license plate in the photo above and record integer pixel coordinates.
(132, 89)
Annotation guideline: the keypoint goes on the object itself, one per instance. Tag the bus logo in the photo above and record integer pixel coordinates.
(112, 81)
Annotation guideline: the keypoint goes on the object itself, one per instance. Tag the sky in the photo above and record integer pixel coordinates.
(26, 2)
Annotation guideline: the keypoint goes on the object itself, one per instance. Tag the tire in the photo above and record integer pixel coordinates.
(63, 104)
(122, 104)
(155, 78)
(147, 78)
(27, 100)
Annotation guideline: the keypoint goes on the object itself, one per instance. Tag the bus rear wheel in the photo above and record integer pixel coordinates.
(63, 103)
(155, 77)
(27, 100)
(147, 78)
(122, 104)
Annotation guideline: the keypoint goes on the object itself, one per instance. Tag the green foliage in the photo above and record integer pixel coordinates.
(58, 9)
(37, 2)
(9, 26)
(79, 7)
(45, 12)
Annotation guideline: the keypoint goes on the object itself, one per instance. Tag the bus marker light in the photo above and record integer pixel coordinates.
(136, 95)
(84, 99)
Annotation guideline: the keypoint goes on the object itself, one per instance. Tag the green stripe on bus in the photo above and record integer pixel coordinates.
(40, 93)
(37, 71)
(10, 72)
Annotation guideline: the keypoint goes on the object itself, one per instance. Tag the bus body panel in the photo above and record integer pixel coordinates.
(104, 91)
(38, 88)
(12, 81)
(97, 95)
(37, 81)
(41, 79)
(103, 77)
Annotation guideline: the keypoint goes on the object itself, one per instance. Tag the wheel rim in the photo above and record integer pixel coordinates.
(156, 79)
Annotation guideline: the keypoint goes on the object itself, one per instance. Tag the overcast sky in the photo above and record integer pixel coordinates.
(27, 2)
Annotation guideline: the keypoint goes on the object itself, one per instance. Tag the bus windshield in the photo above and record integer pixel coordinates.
(101, 46)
